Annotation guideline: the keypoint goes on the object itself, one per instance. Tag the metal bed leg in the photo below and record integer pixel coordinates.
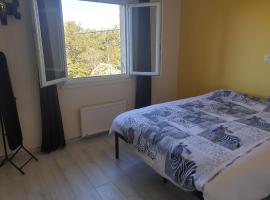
(116, 146)
(117, 136)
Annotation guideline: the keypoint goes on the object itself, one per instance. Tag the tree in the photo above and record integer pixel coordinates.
(88, 49)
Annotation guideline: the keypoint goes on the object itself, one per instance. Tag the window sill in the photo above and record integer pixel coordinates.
(96, 81)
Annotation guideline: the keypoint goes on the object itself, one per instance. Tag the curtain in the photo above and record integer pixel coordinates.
(52, 126)
(8, 107)
(144, 83)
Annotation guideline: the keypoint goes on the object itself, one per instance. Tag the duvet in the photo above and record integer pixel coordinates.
(193, 141)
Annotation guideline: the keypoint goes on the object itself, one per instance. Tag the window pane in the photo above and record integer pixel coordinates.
(92, 37)
(50, 19)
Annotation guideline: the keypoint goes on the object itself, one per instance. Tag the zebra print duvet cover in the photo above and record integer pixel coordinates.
(192, 141)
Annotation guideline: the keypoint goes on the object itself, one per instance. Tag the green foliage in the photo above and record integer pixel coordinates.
(105, 69)
(90, 52)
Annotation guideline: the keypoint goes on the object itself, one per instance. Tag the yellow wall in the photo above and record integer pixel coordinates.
(223, 44)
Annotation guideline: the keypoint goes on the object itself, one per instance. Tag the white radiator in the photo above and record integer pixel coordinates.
(98, 119)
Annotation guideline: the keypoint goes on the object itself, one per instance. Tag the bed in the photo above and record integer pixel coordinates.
(216, 144)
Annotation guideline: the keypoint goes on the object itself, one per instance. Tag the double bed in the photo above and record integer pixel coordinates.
(217, 144)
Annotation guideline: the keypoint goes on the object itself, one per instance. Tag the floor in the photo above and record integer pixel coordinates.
(87, 169)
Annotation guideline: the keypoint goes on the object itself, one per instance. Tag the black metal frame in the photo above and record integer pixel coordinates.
(117, 136)
(8, 159)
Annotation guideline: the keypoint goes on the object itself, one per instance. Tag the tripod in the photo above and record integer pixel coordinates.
(8, 159)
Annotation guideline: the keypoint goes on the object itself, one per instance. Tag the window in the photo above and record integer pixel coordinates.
(144, 38)
(93, 38)
(49, 37)
(84, 39)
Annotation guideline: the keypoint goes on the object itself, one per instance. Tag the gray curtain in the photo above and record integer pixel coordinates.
(144, 83)
(52, 126)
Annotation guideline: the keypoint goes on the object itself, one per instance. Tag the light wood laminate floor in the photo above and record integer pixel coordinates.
(87, 170)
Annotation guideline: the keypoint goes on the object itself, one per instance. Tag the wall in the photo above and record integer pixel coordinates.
(16, 40)
(164, 86)
(223, 44)
(92, 93)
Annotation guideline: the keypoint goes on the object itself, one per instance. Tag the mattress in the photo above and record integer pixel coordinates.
(215, 143)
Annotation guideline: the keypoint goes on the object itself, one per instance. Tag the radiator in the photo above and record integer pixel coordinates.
(98, 119)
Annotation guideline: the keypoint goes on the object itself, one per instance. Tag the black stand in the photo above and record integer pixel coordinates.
(8, 159)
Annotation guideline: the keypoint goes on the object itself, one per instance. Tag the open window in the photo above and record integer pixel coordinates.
(69, 49)
(144, 36)
(49, 36)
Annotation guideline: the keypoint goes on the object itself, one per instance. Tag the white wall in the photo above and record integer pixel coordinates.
(16, 40)
(74, 96)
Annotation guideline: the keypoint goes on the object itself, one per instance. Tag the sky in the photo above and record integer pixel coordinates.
(92, 15)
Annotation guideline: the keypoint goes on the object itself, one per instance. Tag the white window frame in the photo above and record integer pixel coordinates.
(39, 48)
(126, 44)
(158, 38)
(123, 38)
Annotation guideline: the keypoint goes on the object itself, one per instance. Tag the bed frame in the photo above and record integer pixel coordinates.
(117, 136)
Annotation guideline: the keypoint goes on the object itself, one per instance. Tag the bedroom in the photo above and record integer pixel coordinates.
(206, 45)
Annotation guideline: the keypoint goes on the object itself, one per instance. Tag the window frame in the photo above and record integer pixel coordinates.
(126, 46)
(39, 48)
(123, 48)
(158, 38)
(123, 38)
